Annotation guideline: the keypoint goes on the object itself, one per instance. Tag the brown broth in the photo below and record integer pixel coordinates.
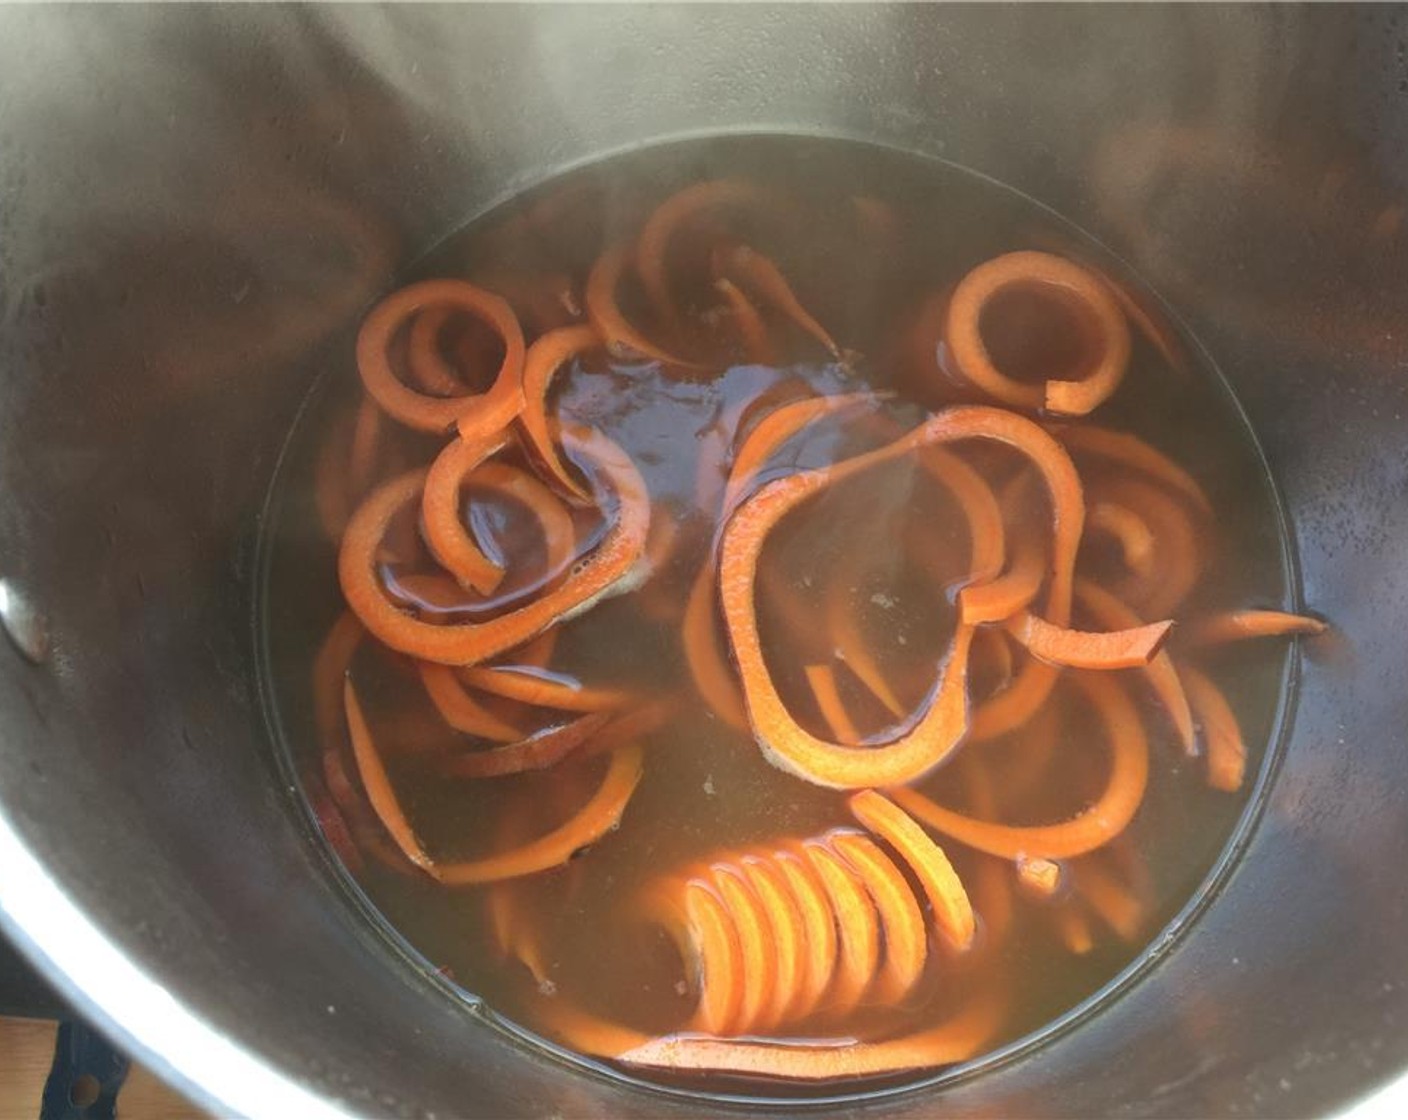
(896, 546)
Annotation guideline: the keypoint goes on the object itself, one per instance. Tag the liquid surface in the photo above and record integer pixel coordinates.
(865, 238)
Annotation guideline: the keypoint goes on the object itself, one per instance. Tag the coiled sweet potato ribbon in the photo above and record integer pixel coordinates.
(470, 643)
(805, 931)
(704, 652)
(1081, 291)
(685, 206)
(590, 823)
(473, 413)
(1090, 829)
(942, 719)
(804, 928)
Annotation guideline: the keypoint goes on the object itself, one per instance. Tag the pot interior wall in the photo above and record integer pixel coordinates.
(195, 205)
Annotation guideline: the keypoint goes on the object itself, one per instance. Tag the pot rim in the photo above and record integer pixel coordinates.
(148, 1021)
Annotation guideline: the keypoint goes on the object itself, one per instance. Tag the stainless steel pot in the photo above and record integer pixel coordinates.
(196, 202)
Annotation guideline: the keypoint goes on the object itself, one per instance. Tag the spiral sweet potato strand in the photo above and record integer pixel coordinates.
(544, 358)
(473, 643)
(1054, 278)
(481, 412)
(817, 926)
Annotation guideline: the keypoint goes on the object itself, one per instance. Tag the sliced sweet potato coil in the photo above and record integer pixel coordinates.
(986, 533)
(1088, 830)
(542, 688)
(699, 200)
(821, 679)
(756, 941)
(601, 813)
(1236, 626)
(812, 919)
(424, 361)
(695, 917)
(936, 731)
(445, 532)
(1012, 591)
(857, 927)
(942, 718)
(449, 538)
(474, 643)
(787, 952)
(1178, 559)
(1129, 530)
(464, 711)
(538, 751)
(1089, 649)
(902, 929)
(474, 413)
(952, 910)
(594, 820)
(544, 358)
(822, 925)
(752, 331)
(330, 667)
(377, 784)
(620, 337)
(992, 657)
(705, 655)
(957, 1039)
(1015, 705)
(633, 724)
(819, 939)
(461, 710)
(1073, 927)
(1127, 450)
(1112, 901)
(770, 433)
(1227, 753)
(1107, 610)
(846, 637)
(1055, 469)
(512, 930)
(1081, 291)
(761, 278)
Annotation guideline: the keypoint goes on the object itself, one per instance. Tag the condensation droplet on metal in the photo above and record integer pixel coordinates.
(23, 625)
